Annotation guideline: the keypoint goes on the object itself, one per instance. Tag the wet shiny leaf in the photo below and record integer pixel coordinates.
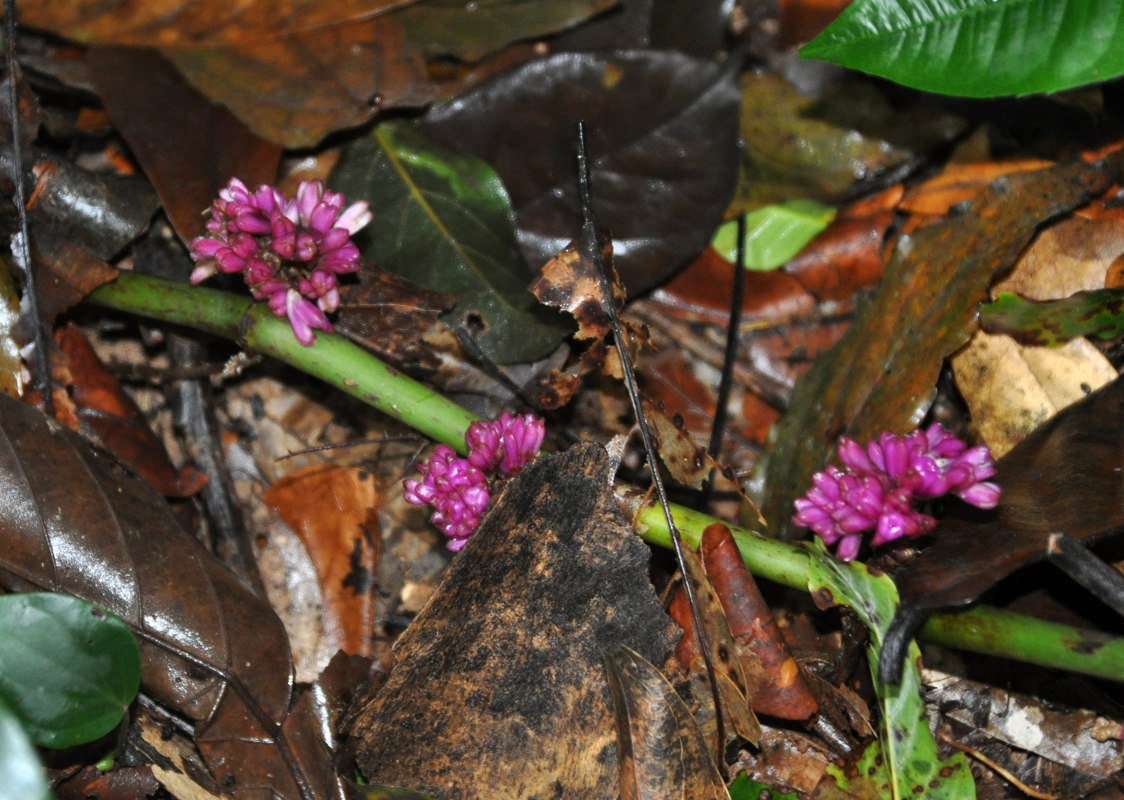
(661, 130)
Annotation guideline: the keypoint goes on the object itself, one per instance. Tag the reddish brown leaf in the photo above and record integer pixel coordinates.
(334, 511)
(733, 689)
(122, 783)
(775, 683)
(499, 689)
(108, 415)
(881, 375)
(76, 522)
(188, 146)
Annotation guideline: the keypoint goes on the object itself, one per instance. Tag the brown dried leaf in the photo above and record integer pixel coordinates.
(76, 522)
(172, 129)
(662, 752)
(108, 415)
(390, 315)
(570, 281)
(334, 511)
(499, 688)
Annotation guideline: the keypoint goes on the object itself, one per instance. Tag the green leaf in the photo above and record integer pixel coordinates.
(773, 234)
(905, 755)
(978, 48)
(21, 775)
(68, 669)
(1097, 313)
(745, 789)
(445, 221)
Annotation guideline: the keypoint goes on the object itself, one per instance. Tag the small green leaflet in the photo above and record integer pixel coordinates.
(745, 789)
(445, 221)
(68, 669)
(978, 48)
(905, 755)
(1098, 314)
(773, 234)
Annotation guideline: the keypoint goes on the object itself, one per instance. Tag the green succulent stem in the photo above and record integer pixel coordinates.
(343, 364)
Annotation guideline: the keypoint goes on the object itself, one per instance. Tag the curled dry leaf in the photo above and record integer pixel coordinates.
(76, 522)
(570, 281)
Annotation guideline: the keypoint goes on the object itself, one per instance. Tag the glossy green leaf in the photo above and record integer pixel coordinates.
(905, 754)
(21, 775)
(743, 788)
(445, 221)
(1098, 314)
(773, 234)
(68, 669)
(978, 48)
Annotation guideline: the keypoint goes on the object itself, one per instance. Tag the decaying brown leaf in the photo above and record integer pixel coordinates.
(570, 281)
(108, 415)
(390, 316)
(499, 687)
(78, 523)
(334, 511)
(662, 752)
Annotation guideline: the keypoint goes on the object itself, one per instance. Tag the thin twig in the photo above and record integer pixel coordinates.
(589, 241)
(21, 249)
(729, 356)
(1102, 580)
(1001, 771)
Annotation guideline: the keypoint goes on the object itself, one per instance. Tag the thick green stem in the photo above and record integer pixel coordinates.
(341, 363)
(333, 359)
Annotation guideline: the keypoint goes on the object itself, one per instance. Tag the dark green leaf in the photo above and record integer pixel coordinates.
(444, 220)
(1099, 313)
(773, 234)
(473, 29)
(978, 48)
(21, 775)
(662, 133)
(881, 374)
(68, 668)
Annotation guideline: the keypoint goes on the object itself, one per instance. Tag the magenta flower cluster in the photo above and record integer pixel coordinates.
(289, 250)
(457, 488)
(877, 487)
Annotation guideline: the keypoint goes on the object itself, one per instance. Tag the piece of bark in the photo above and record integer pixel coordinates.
(499, 688)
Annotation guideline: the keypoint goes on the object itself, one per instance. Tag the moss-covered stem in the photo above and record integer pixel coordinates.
(342, 364)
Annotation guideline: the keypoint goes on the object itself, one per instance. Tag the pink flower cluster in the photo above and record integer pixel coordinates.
(876, 488)
(289, 251)
(457, 488)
